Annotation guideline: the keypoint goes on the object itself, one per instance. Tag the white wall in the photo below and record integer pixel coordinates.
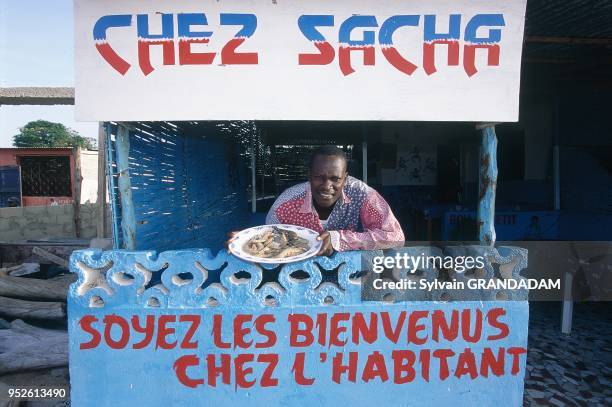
(89, 172)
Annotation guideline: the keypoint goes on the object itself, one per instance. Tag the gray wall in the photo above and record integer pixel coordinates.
(46, 222)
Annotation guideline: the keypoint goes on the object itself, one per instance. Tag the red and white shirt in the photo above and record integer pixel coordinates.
(360, 220)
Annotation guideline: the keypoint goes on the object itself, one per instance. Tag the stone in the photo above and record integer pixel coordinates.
(557, 402)
(570, 379)
(536, 393)
(4, 324)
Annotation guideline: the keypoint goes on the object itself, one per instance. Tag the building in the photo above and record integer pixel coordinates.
(46, 176)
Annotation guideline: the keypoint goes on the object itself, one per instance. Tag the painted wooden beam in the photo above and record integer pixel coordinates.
(567, 311)
(101, 201)
(110, 170)
(487, 185)
(128, 218)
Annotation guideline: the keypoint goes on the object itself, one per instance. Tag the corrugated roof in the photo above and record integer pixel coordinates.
(568, 43)
(568, 25)
(569, 18)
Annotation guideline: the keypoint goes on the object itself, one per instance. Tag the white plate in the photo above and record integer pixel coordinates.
(243, 236)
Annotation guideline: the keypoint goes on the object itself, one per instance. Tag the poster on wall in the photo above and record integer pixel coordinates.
(415, 165)
(440, 60)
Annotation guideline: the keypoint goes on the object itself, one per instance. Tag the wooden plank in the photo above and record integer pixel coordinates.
(55, 289)
(23, 309)
(50, 256)
(4, 388)
(21, 269)
(57, 377)
(26, 347)
(17, 253)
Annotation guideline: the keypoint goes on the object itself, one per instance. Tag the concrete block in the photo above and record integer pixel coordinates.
(35, 226)
(88, 209)
(68, 229)
(4, 225)
(11, 212)
(51, 230)
(55, 210)
(88, 233)
(101, 243)
(62, 217)
(13, 235)
(39, 222)
(18, 222)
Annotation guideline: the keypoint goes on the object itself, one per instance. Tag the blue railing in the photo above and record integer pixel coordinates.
(173, 327)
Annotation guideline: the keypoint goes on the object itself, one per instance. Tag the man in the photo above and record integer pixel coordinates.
(348, 214)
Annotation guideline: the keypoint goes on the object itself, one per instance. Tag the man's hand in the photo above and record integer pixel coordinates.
(326, 248)
(230, 237)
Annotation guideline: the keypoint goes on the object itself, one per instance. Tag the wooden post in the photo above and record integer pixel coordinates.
(16, 308)
(556, 158)
(101, 202)
(253, 177)
(128, 219)
(263, 173)
(111, 170)
(487, 185)
(568, 280)
(76, 191)
(274, 169)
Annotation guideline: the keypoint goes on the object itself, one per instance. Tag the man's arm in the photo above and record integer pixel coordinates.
(286, 208)
(381, 228)
(271, 217)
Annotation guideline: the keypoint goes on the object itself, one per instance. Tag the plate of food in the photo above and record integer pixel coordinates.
(273, 244)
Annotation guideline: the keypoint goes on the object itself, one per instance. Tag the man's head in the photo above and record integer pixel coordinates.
(327, 175)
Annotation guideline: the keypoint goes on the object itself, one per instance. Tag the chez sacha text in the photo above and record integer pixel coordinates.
(447, 31)
(249, 350)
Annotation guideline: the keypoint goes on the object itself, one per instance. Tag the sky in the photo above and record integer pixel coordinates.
(37, 49)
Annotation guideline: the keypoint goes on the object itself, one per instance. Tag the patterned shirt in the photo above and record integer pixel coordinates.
(360, 220)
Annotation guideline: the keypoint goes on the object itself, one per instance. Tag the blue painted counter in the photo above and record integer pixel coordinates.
(210, 333)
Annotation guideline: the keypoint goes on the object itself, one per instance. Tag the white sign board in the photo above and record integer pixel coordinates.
(436, 60)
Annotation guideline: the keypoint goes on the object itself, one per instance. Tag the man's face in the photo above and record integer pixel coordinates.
(327, 178)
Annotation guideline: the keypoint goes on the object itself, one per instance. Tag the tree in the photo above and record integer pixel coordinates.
(41, 133)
